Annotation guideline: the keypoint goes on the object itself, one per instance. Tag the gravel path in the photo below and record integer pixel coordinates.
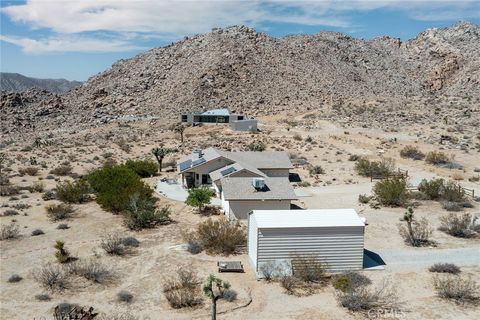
(413, 259)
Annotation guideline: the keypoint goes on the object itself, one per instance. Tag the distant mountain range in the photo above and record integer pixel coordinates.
(17, 82)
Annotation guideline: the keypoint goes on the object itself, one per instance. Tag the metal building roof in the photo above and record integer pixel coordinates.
(311, 218)
(217, 112)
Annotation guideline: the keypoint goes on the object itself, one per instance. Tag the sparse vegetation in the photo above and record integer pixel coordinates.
(183, 289)
(43, 297)
(91, 270)
(391, 192)
(9, 231)
(462, 290)
(37, 232)
(350, 281)
(73, 192)
(376, 169)
(445, 268)
(315, 170)
(220, 236)
(433, 189)
(308, 268)
(62, 170)
(459, 225)
(437, 158)
(60, 211)
(124, 296)
(256, 146)
(141, 213)
(363, 198)
(31, 171)
(113, 244)
(51, 277)
(417, 232)
(412, 152)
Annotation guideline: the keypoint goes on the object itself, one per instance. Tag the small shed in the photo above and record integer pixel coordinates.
(335, 236)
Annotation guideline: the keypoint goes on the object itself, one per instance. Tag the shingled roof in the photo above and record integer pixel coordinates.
(241, 188)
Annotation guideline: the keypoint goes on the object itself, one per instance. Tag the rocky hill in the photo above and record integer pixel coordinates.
(17, 82)
(254, 73)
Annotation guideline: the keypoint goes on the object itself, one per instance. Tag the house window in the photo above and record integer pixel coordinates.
(184, 118)
(240, 118)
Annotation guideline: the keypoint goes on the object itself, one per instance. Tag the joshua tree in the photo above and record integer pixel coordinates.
(214, 288)
(179, 128)
(408, 217)
(62, 255)
(160, 154)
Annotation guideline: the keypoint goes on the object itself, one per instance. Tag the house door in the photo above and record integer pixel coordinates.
(206, 179)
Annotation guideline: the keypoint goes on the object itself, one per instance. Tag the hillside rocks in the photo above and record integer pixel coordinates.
(16, 82)
(251, 72)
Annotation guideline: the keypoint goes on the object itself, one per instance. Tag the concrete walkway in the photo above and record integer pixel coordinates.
(176, 192)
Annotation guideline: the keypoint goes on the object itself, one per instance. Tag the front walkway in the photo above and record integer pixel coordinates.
(175, 191)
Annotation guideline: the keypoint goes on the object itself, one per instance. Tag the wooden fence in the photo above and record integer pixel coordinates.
(396, 174)
(466, 191)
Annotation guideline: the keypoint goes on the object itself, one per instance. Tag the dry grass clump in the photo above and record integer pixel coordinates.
(461, 290)
(9, 231)
(31, 171)
(445, 268)
(183, 290)
(92, 270)
(219, 236)
(459, 225)
(37, 186)
(114, 244)
(52, 277)
(60, 211)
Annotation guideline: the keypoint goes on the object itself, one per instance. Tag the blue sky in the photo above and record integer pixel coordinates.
(75, 39)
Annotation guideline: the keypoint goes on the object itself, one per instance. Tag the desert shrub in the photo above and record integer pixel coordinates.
(199, 197)
(63, 226)
(62, 254)
(391, 192)
(304, 184)
(462, 290)
(60, 211)
(363, 298)
(43, 297)
(10, 212)
(144, 168)
(289, 283)
(462, 226)
(92, 270)
(62, 170)
(73, 192)
(433, 189)
(182, 290)
(230, 295)
(9, 231)
(37, 232)
(141, 213)
(8, 190)
(119, 315)
(350, 281)
(37, 187)
(113, 244)
(130, 242)
(452, 206)
(363, 198)
(194, 246)
(49, 195)
(415, 232)
(14, 278)
(221, 236)
(268, 270)
(412, 152)
(65, 308)
(437, 158)
(445, 268)
(353, 157)
(51, 277)
(124, 296)
(308, 268)
(452, 192)
(297, 137)
(114, 185)
(314, 170)
(377, 169)
(31, 171)
(256, 146)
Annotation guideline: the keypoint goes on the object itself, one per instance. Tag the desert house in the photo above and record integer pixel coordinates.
(335, 236)
(241, 195)
(209, 166)
(238, 122)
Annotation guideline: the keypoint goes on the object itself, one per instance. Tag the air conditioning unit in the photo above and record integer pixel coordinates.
(258, 183)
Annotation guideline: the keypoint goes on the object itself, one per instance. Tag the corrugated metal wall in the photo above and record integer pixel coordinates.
(341, 248)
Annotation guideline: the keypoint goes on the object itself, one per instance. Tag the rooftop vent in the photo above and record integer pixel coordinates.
(258, 183)
(198, 153)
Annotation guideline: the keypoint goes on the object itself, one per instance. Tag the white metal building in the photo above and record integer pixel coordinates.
(335, 236)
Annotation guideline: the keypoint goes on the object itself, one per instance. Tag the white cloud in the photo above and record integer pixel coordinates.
(132, 20)
(69, 43)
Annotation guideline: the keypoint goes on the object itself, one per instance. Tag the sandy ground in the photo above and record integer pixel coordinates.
(160, 253)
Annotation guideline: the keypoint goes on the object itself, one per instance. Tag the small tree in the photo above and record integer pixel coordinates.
(62, 254)
(416, 233)
(180, 129)
(160, 154)
(215, 288)
(199, 197)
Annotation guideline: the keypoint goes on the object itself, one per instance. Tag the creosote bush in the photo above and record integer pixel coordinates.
(220, 236)
(60, 211)
(412, 152)
(114, 186)
(461, 290)
(377, 169)
(183, 289)
(73, 192)
(437, 158)
(144, 168)
(445, 268)
(433, 189)
(391, 192)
